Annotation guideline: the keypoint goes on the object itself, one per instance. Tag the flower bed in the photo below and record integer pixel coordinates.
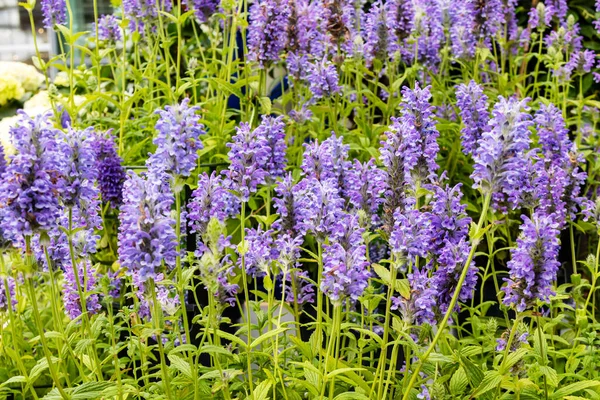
(305, 199)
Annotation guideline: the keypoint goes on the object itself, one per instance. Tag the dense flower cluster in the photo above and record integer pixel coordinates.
(32, 180)
(533, 263)
(501, 162)
(55, 12)
(203, 9)
(472, 103)
(178, 139)
(147, 231)
(86, 282)
(249, 153)
(108, 165)
(108, 29)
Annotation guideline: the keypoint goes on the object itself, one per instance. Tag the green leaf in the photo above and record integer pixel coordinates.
(491, 380)
(261, 391)
(458, 382)
(265, 105)
(14, 379)
(232, 338)
(351, 396)
(513, 358)
(343, 371)
(550, 374)
(403, 287)
(383, 273)
(573, 388)
(181, 365)
(266, 336)
(474, 373)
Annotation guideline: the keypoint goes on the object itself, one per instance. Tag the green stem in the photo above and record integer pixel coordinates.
(442, 325)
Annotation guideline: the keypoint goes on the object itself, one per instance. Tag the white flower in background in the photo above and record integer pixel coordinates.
(27, 75)
(10, 89)
(62, 79)
(38, 103)
(5, 125)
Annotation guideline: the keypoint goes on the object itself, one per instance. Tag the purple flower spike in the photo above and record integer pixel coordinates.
(420, 134)
(32, 181)
(210, 200)
(147, 237)
(323, 79)
(80, 191)
(109, 29)
(12, 292)
(111, 174)
(87, 280)
(345, 274)
(260, 254)
(367, 186)
(55, 13)
(266, 32)
(534, 263)
(203, 9)
(400, 15)
(273, 131)
(376, 34)
(178, 139)
(473, 107)
(411, 236)
(501, 159)
(249, 154)
(319, 207)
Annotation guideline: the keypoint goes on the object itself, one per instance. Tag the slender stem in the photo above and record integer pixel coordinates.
(442, 325)
(156, 320)
(247, 293)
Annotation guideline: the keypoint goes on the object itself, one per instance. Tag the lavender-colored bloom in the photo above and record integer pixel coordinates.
(428, 31)
(142, 13)
(304, 37)
(449, 221)
(203, 9)
(345, 274)
(462, 29)
(55, 13)
(533, 264)
(419, 130)
(517, 341)
(108, 28)
(249, 153)
(501, 162)
(329, 161)
(399, 19)
(473, 106)
(215, 267)
(582, 62)
(286, 206)
(111, 174)
(339, 23)
(367, 186)
(178, 139)
(32, 181)
(419, 307)
(147, 237)
(375, 32)
(87, 282)
(451, 260)
(273, 131)
(323, 79)
(393, 154)
(260, 253)
(2, 160)
(566, 39)
(304, 290)
(268, 23)
(560, 179)
(79, 189)
(488, 19)
(556, 9)
(411, 237)
(209, 200)
(11, 292)
(297, 65)
(318, 206)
